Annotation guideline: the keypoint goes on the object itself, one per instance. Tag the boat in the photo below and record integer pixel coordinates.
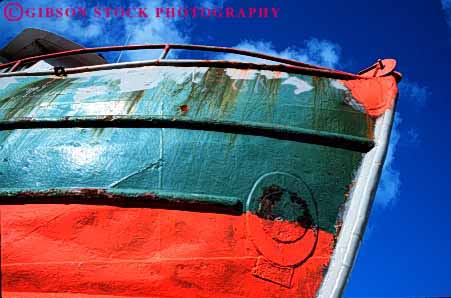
(183, 177)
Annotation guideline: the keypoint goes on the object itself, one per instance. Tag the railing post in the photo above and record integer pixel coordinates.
(15, 66)
(165, 52)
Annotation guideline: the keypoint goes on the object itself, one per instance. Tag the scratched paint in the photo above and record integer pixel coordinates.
(348, 96)
(278, 245)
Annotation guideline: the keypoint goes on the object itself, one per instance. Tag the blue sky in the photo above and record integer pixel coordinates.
(406, 249)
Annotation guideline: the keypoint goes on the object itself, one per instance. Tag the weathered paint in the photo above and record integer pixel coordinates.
(286, 195)
(83, 158)
(209, 93)
(376, 95)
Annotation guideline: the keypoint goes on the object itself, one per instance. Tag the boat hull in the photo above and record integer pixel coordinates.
(177, 182)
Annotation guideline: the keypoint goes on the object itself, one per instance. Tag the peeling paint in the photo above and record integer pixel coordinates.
(136, 81)
(149, 78)
(179, 131)
(348, 99)
(91, 91)
(5, 82)
(338, 85)
(376, 95)
(274, 75)
(241, 74)
(251, 74)
(100, 108)
(301, 86)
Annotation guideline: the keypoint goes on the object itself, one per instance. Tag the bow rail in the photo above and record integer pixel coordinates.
(14, 65)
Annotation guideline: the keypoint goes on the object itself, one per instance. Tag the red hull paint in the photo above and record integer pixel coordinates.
(133, 252)
(376, 95)
(58, 295)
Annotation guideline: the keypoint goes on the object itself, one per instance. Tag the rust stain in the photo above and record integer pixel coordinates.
(318, 94)
(370, 127)
(30, 96)
(273, 86)
(277, 74)
(97, 131)
(133, 100)
(270, 94)
(216, 92)
(232, 139)
(320, 87)
(230, 94)
(184, 109)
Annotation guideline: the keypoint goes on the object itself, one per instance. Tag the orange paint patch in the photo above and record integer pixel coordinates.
(136, 252)
(375, 94)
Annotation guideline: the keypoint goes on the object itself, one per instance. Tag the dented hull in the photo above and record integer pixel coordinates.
(165, 181)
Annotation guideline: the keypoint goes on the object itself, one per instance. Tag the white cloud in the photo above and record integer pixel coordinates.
(414, 92)
(324, 52)
(212, 3)
(315, 51)
(78, 29)
(413, 136)
(102, 31)
(446, 5)
(154, 30)
(390, 183)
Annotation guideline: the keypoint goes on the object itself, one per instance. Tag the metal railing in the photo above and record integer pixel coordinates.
(286, 64)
